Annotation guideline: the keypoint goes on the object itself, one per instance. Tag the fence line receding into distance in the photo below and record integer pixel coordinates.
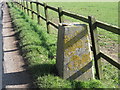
(93, 24)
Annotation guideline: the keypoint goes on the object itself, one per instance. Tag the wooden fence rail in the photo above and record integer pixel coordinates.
(93, 24)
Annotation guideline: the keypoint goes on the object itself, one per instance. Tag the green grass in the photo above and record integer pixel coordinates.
(110, 75)
(103, 11)
(39, 49)
(100, 10)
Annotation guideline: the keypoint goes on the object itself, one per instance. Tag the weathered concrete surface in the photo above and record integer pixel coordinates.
(1, 55)
(73, 53)
(15, 75)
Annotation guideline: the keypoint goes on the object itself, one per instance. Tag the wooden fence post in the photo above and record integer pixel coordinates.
(24, 5)
(31, 10)
(17, 3)
(95, 47)
(27, 7)
(20, 4)
(11, 3)
(47, 18)
(61, 20)
(38, 12)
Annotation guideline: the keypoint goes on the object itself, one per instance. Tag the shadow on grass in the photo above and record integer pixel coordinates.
(43, 38)
(44, 43)
(43, 69)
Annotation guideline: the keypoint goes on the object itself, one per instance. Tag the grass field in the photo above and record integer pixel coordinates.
(39, 49)
(106, 12)
(103, 11)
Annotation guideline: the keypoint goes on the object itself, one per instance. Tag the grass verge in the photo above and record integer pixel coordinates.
(39, 49)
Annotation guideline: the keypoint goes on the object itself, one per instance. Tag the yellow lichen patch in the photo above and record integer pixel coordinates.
(76, 33)
(75, 58)
(77, 63)
(72, 48)
(86, 41)
(78, 44)
(70, 51)
(86, 35)
(74, 65)
(85, 58)
(70, 36)
(67, 38)
(67, 45)
(70, 66)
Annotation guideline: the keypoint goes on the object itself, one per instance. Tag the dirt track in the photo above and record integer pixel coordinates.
(14, 73)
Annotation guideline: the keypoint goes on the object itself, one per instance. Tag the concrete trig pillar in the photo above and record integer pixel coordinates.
(73, 52)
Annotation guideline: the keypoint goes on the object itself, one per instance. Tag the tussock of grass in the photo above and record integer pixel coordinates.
(45, 81)
(39, 48)
(91, 84)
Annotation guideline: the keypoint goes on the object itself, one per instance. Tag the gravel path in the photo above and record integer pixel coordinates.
(15, 75)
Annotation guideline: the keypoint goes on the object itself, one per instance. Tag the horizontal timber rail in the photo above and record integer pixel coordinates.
(52, 8)
(99, 24)
(32, 11)
(110, 60)
(37, 3)
(53, 24)
(93, 24)
(108, 27)
(75, 16)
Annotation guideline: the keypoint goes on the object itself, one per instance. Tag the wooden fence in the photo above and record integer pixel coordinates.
(93, 24)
